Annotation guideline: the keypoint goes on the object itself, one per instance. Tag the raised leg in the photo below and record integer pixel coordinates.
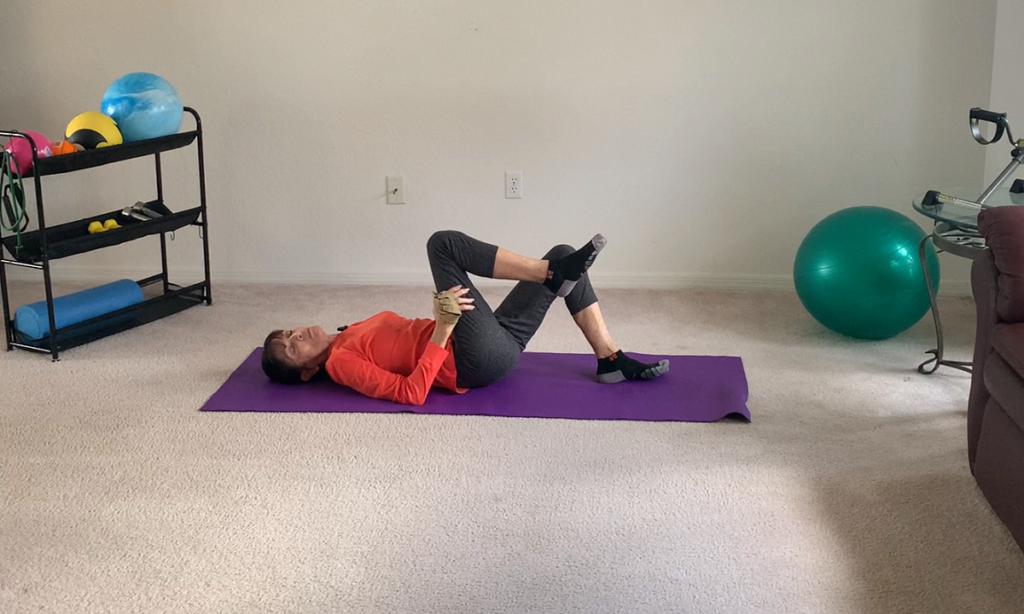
(509, 265)
(524, 309)
(558, 272)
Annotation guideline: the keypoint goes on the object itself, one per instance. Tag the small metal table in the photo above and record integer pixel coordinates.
(955, 231)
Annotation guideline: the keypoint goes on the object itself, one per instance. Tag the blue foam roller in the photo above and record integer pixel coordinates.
(32, 320)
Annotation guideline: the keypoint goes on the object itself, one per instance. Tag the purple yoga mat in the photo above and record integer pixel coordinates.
(696, 389)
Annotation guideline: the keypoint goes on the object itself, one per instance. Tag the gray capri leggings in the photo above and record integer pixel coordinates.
(486, 343)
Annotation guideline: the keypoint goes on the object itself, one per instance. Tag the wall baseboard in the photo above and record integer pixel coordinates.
(640, 281)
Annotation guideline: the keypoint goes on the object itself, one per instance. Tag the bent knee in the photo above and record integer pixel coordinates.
(440, 240)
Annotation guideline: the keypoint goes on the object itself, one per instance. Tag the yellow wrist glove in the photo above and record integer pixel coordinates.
(446, 308)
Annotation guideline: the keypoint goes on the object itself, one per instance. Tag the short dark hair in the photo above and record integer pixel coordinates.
(275, 364)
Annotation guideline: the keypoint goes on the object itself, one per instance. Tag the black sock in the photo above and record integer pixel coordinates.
(618, 367)
(563, 273)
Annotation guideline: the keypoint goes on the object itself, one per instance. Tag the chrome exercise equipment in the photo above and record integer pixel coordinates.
(964, 240)
(934, 197)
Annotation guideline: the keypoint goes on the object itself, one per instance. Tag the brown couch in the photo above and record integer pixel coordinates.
(995, 420)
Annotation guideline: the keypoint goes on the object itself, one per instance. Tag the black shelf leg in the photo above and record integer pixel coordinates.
(47, 281)
(163, 262)
(205, 227)
(54, 335)
(8, 327)
(163, 236)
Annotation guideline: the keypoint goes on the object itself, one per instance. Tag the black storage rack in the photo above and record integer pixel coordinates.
(38, 248)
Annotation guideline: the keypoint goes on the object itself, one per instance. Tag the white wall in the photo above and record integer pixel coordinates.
(1007, 84)
(704, 138)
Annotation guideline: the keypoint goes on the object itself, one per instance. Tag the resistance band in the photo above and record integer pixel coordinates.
(12, 192)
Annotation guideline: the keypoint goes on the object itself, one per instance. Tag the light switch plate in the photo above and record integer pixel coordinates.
(396, 190)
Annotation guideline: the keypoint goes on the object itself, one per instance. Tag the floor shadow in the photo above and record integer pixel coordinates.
(914, 542)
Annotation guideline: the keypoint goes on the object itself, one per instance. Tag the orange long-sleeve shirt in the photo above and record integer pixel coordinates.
(390, 357)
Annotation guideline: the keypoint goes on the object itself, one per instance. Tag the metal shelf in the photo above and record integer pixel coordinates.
(91, 158)
(37, 249)
(73, 238)
(149, 310)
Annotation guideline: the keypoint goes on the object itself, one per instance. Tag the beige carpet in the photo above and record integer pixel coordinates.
(849, 493)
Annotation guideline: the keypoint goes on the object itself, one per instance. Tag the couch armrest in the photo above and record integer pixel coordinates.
(985, 287)
(1003, 230)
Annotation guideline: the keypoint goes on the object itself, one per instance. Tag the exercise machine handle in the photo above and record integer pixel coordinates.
(934, 198)
(988, 116)
(999, 119)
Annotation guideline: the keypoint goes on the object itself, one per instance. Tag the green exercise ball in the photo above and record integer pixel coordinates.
(858, 272)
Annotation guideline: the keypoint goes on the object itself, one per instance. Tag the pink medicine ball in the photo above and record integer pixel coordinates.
(21, 151)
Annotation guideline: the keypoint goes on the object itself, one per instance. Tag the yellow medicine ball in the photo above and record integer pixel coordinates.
(92, 130)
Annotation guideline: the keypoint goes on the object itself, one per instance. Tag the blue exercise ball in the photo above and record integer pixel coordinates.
(144, 105)
(858, 272)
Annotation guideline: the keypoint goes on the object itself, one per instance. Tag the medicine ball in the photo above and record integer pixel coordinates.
(93, 130)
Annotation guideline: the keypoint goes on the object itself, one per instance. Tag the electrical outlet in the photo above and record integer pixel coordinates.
(396, 190)
(513, 184)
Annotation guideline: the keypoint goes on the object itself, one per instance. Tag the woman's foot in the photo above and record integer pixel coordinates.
(565, 272)
(619, 368)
